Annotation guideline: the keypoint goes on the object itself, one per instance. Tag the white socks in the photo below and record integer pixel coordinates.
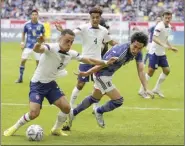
(161, 79)
(23, 120)
(61, 118)
(147, 78)
(74, 95)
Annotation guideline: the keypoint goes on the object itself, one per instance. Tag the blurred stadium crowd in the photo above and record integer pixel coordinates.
(131, 9)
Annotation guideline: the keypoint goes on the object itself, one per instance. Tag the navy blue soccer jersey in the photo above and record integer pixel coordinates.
(151, 32)
(123, 53)
(33, 31)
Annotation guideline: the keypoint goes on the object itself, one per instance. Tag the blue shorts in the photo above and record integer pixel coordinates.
(155, 61)
(84, 68)
(40, 90)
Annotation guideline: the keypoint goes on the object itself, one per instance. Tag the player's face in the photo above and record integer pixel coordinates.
(34, 16)
(95, 19)
(167, 19)
(136, 47)
(66, 42)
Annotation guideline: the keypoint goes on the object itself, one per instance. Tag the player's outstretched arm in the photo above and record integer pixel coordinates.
(112, 42)
(38, 48)
(90, 71)
(171, 47)
(99, 62)
(141, 74)
(157, 41)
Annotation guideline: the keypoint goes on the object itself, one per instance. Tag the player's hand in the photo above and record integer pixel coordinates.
(174, 49)
(40, 39)
(149, 93)
(81, 74)
(22, 45)
(58, 26)
(112, 60)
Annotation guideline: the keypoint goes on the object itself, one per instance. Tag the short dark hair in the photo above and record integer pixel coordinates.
(34, 11)
(67, 31)
(140, 37)
(167, 13)
(95, 10)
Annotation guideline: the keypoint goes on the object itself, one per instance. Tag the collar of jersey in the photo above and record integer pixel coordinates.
(62, 52)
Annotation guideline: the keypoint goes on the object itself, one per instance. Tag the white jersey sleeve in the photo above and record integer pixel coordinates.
(79, 30)
(158, 29)
(51, 47)
(107, 37)
(75, 55)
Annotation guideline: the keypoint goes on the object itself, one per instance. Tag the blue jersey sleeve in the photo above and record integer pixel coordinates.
(139, 57)
(42, 29)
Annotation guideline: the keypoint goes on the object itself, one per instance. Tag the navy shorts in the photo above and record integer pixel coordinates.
(84, 68)
(155, 61)
(146, 58)
(40, 90)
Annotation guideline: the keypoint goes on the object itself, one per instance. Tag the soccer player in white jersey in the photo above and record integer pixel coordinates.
(157, 55)
(32, 29)
(54, 58)
(92, 35)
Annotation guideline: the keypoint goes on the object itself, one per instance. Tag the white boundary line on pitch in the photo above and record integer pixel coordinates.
(124, 107)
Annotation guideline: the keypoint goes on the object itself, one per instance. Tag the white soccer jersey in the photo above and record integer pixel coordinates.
(52, 61)
(162, 33)
(92, 39)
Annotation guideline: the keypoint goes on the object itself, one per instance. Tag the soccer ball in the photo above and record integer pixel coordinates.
(34, 133)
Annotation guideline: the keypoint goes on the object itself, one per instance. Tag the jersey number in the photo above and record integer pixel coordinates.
(95, 41)
(60, 66)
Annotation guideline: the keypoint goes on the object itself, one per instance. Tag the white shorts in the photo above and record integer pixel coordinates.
(28, 52)
(103, 83)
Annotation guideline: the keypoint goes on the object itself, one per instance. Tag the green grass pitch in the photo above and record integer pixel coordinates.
(138, 122)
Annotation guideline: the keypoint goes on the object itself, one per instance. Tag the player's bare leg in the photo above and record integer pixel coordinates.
(64, 106)
(34, 113)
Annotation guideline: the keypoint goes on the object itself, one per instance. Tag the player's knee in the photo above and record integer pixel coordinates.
(67, 109)
(80, 85)
(34, 114)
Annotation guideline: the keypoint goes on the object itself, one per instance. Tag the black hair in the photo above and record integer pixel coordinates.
(140, 37)
(95, 10)
(34, 11)
(167, 13)
(103, 23)
(67, 31)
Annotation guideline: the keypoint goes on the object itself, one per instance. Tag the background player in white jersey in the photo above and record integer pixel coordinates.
(92, 35)
(157, 55)
(33, 29)
(54, 57)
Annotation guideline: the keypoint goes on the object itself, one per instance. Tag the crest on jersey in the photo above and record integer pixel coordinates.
(38, 27)
(37, 97)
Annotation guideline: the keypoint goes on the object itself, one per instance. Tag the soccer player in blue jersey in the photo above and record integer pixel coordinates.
(103, 77)
(151, 32)
(33, 29)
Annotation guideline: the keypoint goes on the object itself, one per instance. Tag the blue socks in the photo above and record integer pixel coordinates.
(110, 105)
(21, 72)
(84, 104)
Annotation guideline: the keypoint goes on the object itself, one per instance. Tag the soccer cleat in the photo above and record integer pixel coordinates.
(58, 132)
(10, 131)
(142, 94)
(99, 118)
(66, 128)
(19, 81)
(158, 92)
